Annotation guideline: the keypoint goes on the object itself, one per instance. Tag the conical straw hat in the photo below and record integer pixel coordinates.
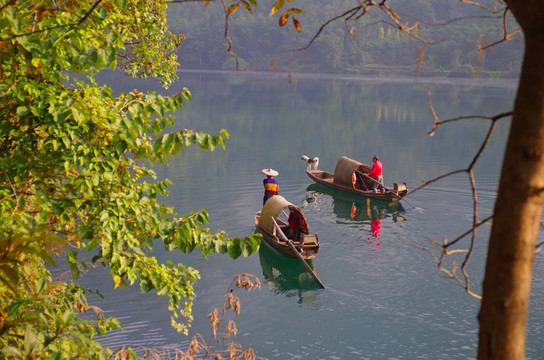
(270, 172)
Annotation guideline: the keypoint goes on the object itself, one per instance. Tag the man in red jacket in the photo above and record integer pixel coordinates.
(376, 173)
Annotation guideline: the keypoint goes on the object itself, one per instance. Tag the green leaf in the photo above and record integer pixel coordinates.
(10, 274)
(163, 211)
(225, 133)
(55, 356)
(167, 142)
(22, 111)
(11, 350)
(250, 246)
(121, 147)
(178, 145)
(186, 94)
(16, 306)
(234, 248)
(31, 340)
(190, 140)
(157, 146)
(91, 244)
(68, 317)
(71, 257)
(221, 247)
(146, 286)
(11, 16)
(47, 258)
(41, 285)
(213, 141)
(203, 140)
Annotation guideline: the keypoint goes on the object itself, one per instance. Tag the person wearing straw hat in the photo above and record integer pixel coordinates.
(271, 186)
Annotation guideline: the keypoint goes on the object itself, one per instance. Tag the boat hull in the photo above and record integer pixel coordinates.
(307, 252)
(327, 179)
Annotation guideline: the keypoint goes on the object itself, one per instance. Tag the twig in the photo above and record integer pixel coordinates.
(227, 37)
(469, 170)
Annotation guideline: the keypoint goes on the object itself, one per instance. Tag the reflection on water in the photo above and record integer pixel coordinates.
(287, 276)
(356, 208)
(363, 215)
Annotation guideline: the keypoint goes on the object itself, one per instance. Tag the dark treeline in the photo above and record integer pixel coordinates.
(374, 48)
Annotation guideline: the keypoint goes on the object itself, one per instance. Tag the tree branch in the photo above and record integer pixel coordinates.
(81, 20)
(465, 282)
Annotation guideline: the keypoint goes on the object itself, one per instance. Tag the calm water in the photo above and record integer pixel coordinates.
(384, 297)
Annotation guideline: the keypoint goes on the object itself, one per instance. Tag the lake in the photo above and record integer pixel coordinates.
(384, 296)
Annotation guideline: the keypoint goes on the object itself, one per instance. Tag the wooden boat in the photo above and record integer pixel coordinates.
(342, 180)
(276, 232)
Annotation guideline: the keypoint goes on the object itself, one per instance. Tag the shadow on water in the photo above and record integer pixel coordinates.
(287, 276)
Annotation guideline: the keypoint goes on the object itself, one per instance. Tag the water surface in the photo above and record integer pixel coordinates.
(384, 298)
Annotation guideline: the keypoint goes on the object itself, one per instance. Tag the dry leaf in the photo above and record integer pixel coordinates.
(283, 19)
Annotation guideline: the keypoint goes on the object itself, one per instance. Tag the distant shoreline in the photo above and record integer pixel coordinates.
(393, 78)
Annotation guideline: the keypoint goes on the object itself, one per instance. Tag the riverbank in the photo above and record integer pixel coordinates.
(423, 78)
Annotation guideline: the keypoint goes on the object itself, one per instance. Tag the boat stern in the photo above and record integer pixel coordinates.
(400, 189)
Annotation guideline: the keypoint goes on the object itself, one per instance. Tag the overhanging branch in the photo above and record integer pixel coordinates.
(71, 24)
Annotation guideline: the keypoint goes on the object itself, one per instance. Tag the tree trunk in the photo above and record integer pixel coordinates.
(507, 283)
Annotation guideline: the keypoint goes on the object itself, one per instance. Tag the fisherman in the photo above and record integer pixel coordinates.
(297, 225)
(376, 173)
(294, 225)
(271, 186)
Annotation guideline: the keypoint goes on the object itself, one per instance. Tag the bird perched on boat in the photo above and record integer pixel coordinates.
(310, 161)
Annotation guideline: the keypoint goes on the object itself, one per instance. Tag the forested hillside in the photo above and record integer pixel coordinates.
(375, 47)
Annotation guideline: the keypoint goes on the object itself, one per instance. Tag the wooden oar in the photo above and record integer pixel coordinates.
(292, 246)
(376, 181)
(371, 178)
(362, 182)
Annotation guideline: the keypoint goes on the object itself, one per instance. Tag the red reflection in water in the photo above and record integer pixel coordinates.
(375, 230)
(375, 233)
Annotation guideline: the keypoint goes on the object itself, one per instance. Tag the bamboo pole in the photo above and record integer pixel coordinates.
(292, 246)
(388, 189)
(371, 178)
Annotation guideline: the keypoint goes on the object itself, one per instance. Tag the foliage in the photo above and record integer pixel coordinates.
(342, 45)
(74, 170)
(221, 345)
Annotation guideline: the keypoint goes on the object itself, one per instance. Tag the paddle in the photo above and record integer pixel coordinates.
(371, 178)
(292, 246)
